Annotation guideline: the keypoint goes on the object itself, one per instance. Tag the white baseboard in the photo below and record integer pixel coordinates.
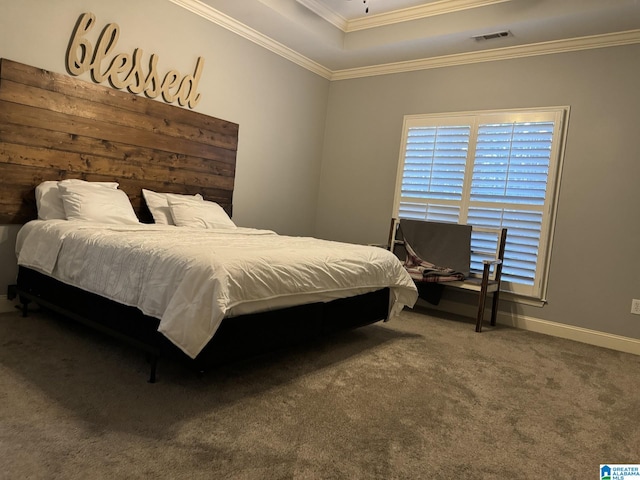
(532, 324)
(570, 332)
(7, 305)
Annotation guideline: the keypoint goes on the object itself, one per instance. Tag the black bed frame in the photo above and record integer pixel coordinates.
(237, 338)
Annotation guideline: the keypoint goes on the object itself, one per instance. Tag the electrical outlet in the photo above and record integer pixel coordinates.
(635, 306)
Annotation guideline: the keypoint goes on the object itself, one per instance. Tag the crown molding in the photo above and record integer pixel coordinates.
(432, 9)
(544, 48)
(326, 13)
(211, 14)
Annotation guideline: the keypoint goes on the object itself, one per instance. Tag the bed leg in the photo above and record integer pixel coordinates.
(24, 306)
(153, 359)
(12, 292)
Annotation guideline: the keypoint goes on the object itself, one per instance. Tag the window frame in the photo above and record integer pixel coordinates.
(537, 293)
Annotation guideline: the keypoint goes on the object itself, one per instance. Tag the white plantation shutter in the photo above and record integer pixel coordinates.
(433, 170)
(487, 169)
(434, 162)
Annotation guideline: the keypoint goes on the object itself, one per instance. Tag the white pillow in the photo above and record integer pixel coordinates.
(49, 201)
(159, 207)
(198, 214)
(96, 203)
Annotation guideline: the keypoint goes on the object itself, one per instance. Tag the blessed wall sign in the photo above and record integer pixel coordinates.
(124, 70)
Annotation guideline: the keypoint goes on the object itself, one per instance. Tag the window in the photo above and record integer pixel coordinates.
(497, 169)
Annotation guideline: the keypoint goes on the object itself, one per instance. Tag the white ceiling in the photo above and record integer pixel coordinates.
(352, 9)
(337, 38)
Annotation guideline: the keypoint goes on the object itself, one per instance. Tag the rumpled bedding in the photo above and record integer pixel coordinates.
(191, 279)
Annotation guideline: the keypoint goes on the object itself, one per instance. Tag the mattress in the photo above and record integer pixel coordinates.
(190, 279)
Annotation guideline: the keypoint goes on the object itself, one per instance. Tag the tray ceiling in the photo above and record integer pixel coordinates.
(336, 39)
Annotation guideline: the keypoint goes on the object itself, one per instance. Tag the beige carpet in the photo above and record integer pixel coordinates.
(419, 397)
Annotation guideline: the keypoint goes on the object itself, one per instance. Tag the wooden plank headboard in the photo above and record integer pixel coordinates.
(53, 127)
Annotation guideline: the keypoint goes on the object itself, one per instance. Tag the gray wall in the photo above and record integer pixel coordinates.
(295, 179)
(596, 249)
(280, 106)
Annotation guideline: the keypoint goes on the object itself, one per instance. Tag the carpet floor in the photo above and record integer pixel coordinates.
(415, 398)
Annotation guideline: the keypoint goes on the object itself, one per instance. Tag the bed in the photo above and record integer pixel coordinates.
(64, 132)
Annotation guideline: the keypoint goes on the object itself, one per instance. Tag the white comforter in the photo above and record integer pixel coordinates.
(191, 279)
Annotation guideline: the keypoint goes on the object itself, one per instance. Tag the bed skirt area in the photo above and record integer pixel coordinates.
(237, 337)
